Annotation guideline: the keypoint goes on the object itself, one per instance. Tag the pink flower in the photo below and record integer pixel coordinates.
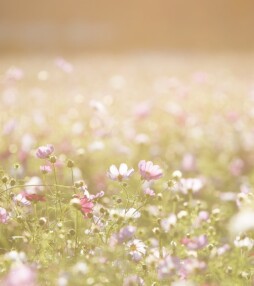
(149, 171)
(121, 173)
(43, 152)
(195, 243)
(20, 275)
(34, 197)
(4, 217)
(149, 192)
(33, 190)
(86, 206)
(45, 169)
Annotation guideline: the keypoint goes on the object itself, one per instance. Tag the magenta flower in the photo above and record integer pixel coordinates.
(43, 152)
(4, 217)
(149, 171)
(120, 174)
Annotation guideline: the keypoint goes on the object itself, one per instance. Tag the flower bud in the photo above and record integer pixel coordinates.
(4, 179)
(75, 202)
(12, 182)
(52, 159)
(70, 164)
(177, 175)
(42, 221)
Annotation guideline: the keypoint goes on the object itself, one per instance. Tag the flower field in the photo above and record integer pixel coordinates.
(127, 170)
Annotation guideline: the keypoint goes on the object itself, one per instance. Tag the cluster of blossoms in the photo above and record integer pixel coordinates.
(147, 169)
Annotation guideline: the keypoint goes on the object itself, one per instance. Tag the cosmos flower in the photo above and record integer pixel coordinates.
(86, 206)
(149, 171)
(4, 217)
(195, 243)
(120, 174)
(43, 152)
(33, 190)
(137, 249)
(133, 280)
(149, 192)
(20, 275)
(168, 222)
(245, 242)
(190, 184)
(45, 169)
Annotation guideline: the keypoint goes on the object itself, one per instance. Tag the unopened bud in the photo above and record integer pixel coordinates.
(42, 221)
(52, 159)
(75, 202)
(70, 164)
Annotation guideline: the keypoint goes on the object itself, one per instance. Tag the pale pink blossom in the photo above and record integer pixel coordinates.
(20, 275)
(149, 171)
(4, 217)
(45, 169)
(191, 184)
(120, 174)
(43, 152)
(196, 242)
(149, 192)
(133, 280)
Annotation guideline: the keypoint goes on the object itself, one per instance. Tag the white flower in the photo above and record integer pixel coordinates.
(244, 242)
(130, 213)
(242, 222)
(80, 268)
(33, 186)
(137, 249)
(15, 256)
(190, 184)
(120, 174)
(168, 222)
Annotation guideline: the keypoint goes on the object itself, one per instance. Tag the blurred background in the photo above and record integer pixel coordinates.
(115, 25)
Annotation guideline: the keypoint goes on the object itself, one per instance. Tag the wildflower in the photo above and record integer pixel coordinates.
(189, 162)
(149, 171)
(45, 169)
(126, 233)
(21, 199)
(130, 213)
(44, 152)
(149, 192)
(224, 248)
(242, 222)
(244, 242)
(33, 190)
(195, 243)
(121, 173)
(14, 256)
(80, 268)
(96, 196)
(4, 217)
(168, 222)
(86, 206)
(191, 184)
(20, 275)
(133, 280)
(168, 266)
(137, 249)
